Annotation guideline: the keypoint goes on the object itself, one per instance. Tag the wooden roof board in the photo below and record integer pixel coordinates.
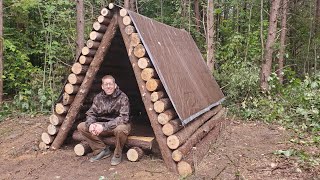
(180, 66)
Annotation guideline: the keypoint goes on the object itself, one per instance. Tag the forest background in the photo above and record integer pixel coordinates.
(264, 53)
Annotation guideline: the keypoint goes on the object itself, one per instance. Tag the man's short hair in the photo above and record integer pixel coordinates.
(109, 77)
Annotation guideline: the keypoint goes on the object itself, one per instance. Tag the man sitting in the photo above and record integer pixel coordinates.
(108, 115)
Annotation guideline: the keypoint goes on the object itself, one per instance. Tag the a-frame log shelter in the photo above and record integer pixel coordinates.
(165, 77)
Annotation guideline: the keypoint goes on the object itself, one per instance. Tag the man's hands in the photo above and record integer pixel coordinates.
(95, 129)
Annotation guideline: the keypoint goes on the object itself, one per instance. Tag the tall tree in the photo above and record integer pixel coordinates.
(126, 4)
(267, 60)
(317, 17)
(80, 27)
(210, 36)
(197, 14)
(282, 40)
(1, 52)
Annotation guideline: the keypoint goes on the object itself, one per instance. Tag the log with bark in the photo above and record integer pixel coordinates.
(43, 146)
(82, 149)
(134, 154)
(166, 116)
(106, 12)
(145, 143)
(148, 73)
(61, 109)
(135, 39)
(130, 29)
(123, 12)
(157, 95)
(96, 36)
(85, 60)
(84, 89)
(103, 20)
(47, 138)
(99, 27)
(78, 68)
(144, 63)
(139, 51)
(183, 150)
(52, 129)
(56, 119)
(75, 79)
(67, 99)
(186, 166)
(127, 20)
(71, 89)
(153, 85)
(172, 127)
(86, 51)
(176, 140)
(162, 105)
(93, 44)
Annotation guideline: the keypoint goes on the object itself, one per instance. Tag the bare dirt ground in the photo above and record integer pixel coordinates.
(245, 150)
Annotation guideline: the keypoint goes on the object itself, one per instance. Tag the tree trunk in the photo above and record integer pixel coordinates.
(197, 14)
(80, 27)
(1, 53)
(267, 60)
(317, 18)
(126, 4)
(282, 40)
(84, 89)
(210, 36)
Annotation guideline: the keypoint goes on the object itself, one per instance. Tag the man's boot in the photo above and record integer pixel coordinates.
(103, 154)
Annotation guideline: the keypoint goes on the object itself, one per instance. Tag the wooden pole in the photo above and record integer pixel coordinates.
(85, 60)
(148, 73)
(84, 88)
(174, 141)
(144, 63)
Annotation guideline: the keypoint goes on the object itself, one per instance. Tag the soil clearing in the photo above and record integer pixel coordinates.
(244, 150)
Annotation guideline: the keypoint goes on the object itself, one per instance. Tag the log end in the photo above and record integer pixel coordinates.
(173, 142)
(185, 169)
(177, 155)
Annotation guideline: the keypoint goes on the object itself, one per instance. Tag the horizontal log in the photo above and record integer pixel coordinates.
(96, 36)
(104, 20)
(130, 29)
(148, 73)
(157, 95)
(56, 119)
(134, 154)
(75, 79)
(67, 99)
(111, 6)
(52, 129)
(166, 116)
(186, 165)
(82, 149)
(176, 140)
(145, 143)
(123, 12)
(43, 146)
(144, 63)
(99, 27)
(47, 138)
(71, 89)
(61, 109)
(85, 60)
(93, 44)
(86, 51)
(172, 127)
(127, 20)
(162, 105)
(153, 85)
(135, 39)
(78, 68)
(200, 133)
(139, 51)
(106, 12)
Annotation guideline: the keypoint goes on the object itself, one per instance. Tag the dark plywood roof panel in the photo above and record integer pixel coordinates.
(180, 66)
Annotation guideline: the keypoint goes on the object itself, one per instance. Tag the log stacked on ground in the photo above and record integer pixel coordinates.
(172, 127)
(82, 149)
(134, 154)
